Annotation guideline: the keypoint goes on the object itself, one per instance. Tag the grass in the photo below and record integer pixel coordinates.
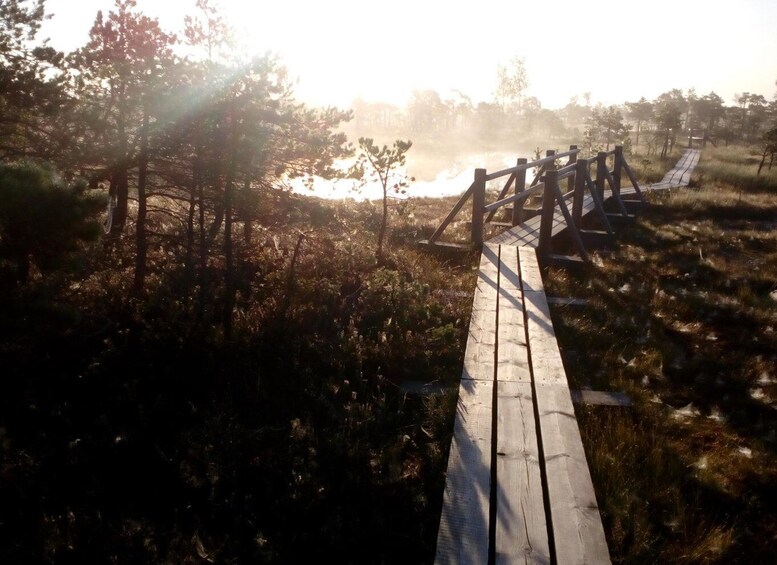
(683, 317)
(131, 431)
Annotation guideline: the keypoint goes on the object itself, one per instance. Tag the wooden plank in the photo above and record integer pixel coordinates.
(479, 354)
(577, 529)
(463, 536)
(446, 245)
(512, 359)
(521, 526)
(547, 367)
(527, 234)
(563, 301)
(578, 533)
(680, 175)
(601, 398)
(531, 274)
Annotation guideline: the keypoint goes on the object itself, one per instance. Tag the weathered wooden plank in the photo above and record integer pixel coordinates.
(578, 534)
(577, 530)
(600, 398)
(521, 526)
(463, 536)
(547, 366)
(512, 351)
(479, 355)
(529, 265)
(527, 234)
(564, 301)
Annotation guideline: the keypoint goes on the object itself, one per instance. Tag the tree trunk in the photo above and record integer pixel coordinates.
(247, 221)
(203, 252)
(120, 187)
(639, 127)
(229, 274)
(140, 224)
(120, 180)
(383, 222)
(761, 164)
(189, 262)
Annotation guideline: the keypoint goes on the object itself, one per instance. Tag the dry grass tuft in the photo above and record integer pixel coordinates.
(683, 317)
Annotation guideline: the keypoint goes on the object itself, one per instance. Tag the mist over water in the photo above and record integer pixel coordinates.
(434, 178)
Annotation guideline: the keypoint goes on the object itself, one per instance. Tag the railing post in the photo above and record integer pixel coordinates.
(572, 161)
(548, 211)
(478, 203)
(577, 202)
(617, 169)
(601, 172)
(520, 186)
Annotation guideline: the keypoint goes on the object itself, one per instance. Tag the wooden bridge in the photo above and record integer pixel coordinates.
(518, 488)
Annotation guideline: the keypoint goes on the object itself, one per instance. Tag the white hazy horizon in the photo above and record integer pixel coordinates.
(341, 50)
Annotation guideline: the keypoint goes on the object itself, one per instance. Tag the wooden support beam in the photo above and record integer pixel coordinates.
(634, 182)
(502, 194)
(616, 169)
(551, 181)
(520, 186)
(572, 160)
(601, 173)
(478, 203)
(579, 195)
(548, 211)
(598, 201)
(452, 214)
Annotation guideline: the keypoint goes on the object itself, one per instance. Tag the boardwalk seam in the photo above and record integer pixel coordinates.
(492, 510)
(540, 449)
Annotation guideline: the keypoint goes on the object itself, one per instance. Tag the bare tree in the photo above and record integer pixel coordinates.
(512, 82)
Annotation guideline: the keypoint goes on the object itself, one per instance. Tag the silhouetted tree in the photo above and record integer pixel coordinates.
(768, 148)
(41, 220)
(640, 111)
(605, 126)
(383, 164)
(511, 82)
(668, 108)
(114, 75)
(32, 95)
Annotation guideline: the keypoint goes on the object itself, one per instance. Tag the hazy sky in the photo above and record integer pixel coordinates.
(382, 51)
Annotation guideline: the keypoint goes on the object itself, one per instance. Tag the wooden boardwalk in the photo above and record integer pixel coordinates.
(518, 488)
(680, 175)
(528, 233)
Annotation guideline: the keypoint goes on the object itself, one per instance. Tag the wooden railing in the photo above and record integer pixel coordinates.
(547, 183)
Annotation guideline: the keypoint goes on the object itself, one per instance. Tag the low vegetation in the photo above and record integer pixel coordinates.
(682, 315)
(133, 432)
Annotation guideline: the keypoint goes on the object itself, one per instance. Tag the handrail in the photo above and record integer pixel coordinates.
(514, 198)
(579, 180)
(531, 165)
(566, 172)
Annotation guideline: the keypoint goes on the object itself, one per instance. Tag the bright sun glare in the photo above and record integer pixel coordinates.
(344, 49)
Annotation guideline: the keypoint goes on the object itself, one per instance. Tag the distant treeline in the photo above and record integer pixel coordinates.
(652, 124)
